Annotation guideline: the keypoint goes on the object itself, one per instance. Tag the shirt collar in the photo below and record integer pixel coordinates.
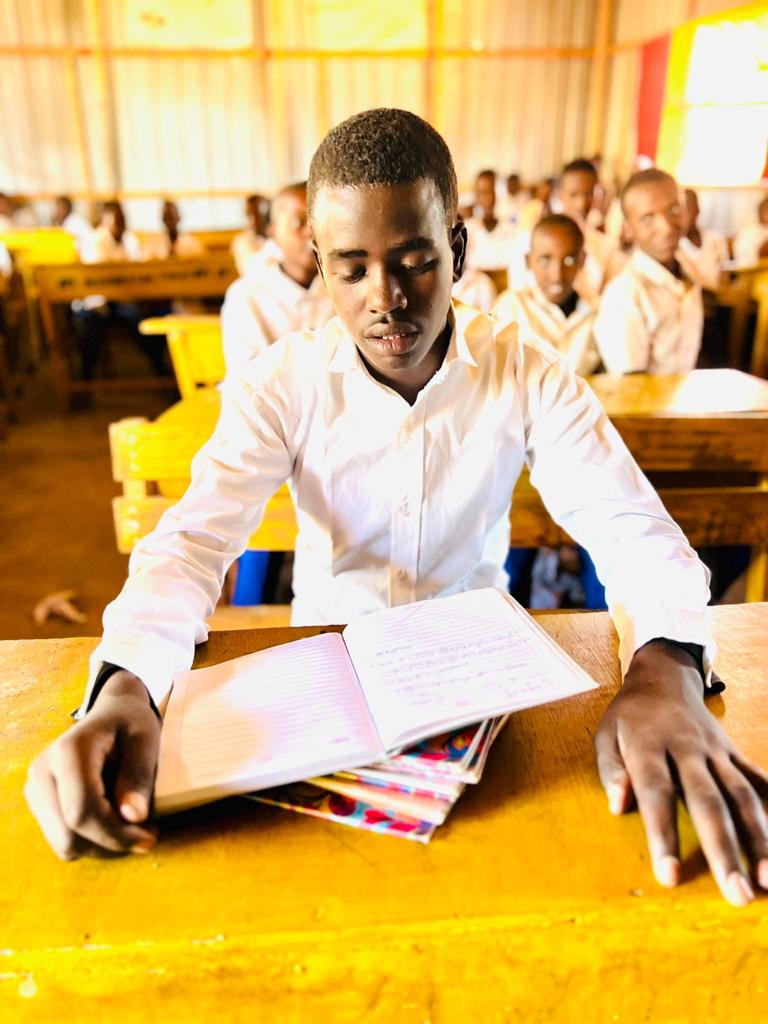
(646, 266)
(468, 328)
(582, 308)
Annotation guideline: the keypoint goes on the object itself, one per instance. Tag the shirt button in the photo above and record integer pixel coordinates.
(404, 507)
(401, 575)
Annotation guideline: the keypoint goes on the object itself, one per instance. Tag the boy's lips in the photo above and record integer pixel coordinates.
(392, 339)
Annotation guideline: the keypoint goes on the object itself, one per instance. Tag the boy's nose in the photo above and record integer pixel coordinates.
(385, 294)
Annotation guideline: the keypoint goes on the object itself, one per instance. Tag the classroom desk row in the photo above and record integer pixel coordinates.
(530, 904)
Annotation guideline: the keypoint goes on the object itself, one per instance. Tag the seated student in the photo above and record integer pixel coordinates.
(402, 427)
(513, 200)
(489, 239)
(7, 213)
(751, 243)
(702, 252)
(651, 315)
(112, 242)
(171, 241)
(282, 291)
(537, 206)
(475, 289)
(6, 263)
(250, 241)
(550, 306)
(576, 195)
(64, 216)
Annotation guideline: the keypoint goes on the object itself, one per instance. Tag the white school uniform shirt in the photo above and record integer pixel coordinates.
(244, 245)
(649, 321)
(475, 289)
(702, 263)
(158, 247)
(599, 250)
(572, 336)
(100, 246)
(77, 226)
(748, 243)
(398, 503)
(489, 250)
(6, 263)
(265, 305)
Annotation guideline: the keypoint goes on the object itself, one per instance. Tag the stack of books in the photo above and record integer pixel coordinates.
(407, 795)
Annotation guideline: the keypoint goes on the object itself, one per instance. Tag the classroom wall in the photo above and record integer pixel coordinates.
(155, 117)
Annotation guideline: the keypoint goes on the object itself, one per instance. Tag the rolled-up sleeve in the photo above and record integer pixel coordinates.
(656, 586)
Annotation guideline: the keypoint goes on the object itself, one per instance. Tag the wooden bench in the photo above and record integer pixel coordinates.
(59, 285)
(702, 437)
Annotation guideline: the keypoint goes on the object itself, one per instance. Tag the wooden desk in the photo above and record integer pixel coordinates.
(531, 903)
(703, 438)
(58, 285)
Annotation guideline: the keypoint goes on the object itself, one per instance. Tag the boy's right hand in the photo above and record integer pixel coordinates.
(91, 789)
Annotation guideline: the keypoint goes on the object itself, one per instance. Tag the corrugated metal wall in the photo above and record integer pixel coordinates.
(182, 123)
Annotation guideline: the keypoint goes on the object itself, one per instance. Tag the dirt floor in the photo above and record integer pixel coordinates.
(55, 512)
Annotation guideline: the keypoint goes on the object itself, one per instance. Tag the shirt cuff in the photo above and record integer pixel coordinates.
(106, 672)
(713, 684)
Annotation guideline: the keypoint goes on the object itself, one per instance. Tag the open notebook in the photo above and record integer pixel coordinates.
(338, 701)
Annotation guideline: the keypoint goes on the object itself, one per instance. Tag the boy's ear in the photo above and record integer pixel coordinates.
(458, 248)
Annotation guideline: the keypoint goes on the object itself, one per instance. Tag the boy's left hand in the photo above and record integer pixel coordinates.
(657, 739)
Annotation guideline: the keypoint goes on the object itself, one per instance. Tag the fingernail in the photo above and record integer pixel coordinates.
(738, 891)
(762, 873)
(615, 799)
(134, 807)
(144, 846)
(667, 871)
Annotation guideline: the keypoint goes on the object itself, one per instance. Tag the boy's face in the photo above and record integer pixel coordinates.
(554, 260)
(289, 228)
(485, 193)
(577, 193)
(654, 218)
(389, 262)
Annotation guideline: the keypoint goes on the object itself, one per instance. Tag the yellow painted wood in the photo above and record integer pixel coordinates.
(531, 904)
(38, 246)
(196, 350)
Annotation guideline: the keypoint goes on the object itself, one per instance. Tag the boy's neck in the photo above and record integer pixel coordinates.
(671, 265)
(568, 305)
(409, 383)
(302, 276)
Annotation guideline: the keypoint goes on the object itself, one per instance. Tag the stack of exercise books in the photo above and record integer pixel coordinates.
(380, 726)
(407, 795)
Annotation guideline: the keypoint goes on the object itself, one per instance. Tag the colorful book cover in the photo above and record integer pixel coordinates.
(305, 798)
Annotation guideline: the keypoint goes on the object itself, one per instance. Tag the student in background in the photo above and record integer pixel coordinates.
(281, 291)
(513, 200)
(651, 315)
(702, 252)
(250, 241)
(171, 241)
(64, 216)
(537, 206)
(112, 242)
(490, 240)
(751, 243)
(7, 213)
(550, 305)
(576, 195)
(402, 428)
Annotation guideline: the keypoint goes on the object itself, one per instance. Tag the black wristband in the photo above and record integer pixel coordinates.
(106, 672)
(696, 651)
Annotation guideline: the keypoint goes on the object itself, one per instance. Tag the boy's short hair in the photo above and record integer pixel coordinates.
(486, 173)
(650, 176)
(384, 147)
(580, 165)
(560, 220)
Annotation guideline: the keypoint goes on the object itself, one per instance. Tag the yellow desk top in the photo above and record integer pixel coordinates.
(531, 903)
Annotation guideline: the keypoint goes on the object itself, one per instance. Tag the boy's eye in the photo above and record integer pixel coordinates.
(570, 261)
(647, 218)
(356, 274)
(674, 209)
(543, 261)
(419, 268)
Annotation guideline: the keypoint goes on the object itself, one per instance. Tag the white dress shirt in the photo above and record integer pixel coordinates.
(649, 321)
(489, 250)
(572, 335)
(748, 243)
(76, 225)
(266, 305)
(101, 246)
(475, 289)
(397, 503)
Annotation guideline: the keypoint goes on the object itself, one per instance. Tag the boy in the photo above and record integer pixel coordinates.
(550, 306)
(64, 216)
(576, 194)
(490, 240)
(402, 428)
(172, 242)
(702, 251)
(281, 293)
(252, 239)
(651, 315)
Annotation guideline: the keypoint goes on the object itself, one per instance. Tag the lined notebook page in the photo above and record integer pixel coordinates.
(268, 718)
(448, 662)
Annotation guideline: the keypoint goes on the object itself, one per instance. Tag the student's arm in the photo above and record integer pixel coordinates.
(622, 335)
(657, 737)
(150, 630)
(242, 333)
